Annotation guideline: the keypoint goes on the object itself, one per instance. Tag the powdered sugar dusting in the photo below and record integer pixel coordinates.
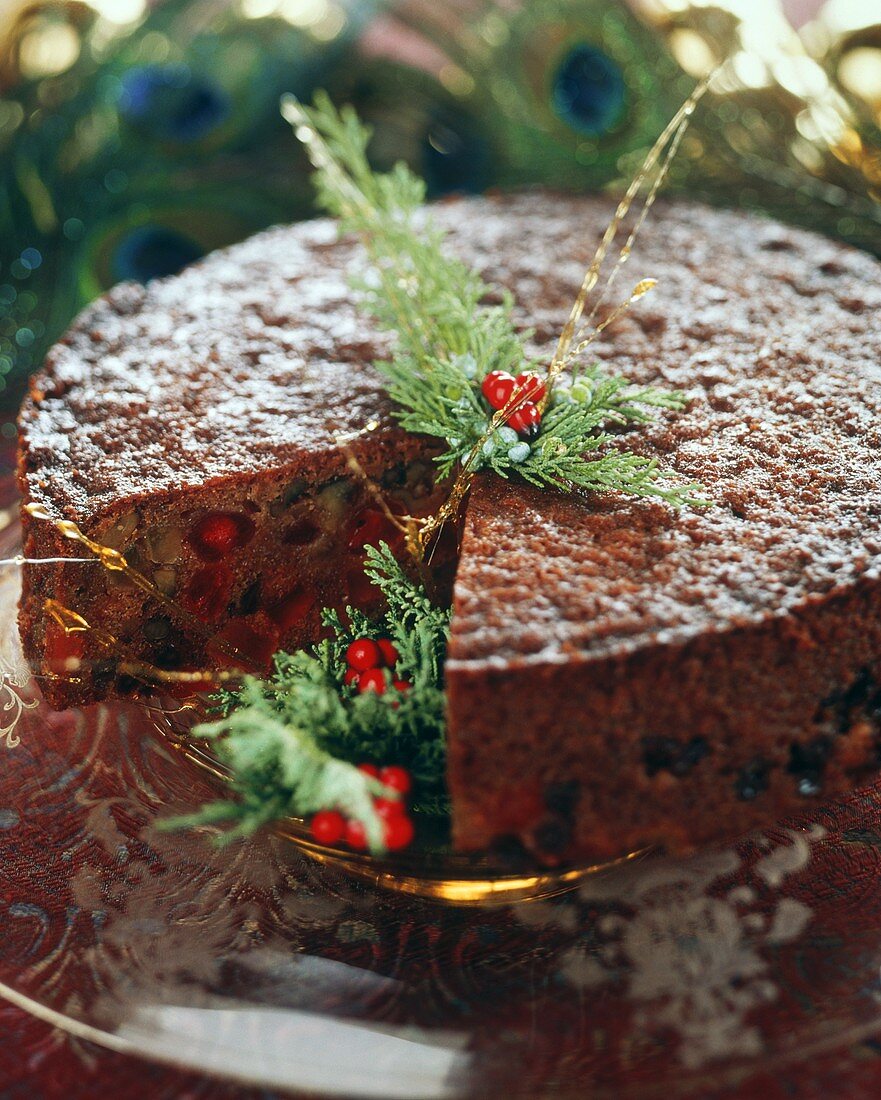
(256, 357)
(784, 430)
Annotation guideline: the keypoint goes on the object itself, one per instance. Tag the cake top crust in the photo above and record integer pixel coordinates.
(258, 357)
(255, 357)
(776, 336)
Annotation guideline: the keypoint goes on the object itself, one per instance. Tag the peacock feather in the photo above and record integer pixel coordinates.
(147, 150)
(556, 92)
(571, 92)
(127, 152)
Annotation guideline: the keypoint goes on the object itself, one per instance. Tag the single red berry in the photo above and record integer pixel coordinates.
(397, 832)
(388, 651)
(531, 384)
(372, 680)
(387, 808)
(525, 419)
(363, 654)
(328, 827)
(396, 778)
(369, 769)
(497, 388)
(356, 835)
(352, 677)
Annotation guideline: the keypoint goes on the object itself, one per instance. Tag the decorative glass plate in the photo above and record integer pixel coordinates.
(261, 963)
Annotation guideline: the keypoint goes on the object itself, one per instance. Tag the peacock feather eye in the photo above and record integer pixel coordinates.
(152, 252)
(170, 102)
(588, 91)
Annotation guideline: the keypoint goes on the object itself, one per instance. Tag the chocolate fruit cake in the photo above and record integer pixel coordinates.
(196, 426)
(619, 673)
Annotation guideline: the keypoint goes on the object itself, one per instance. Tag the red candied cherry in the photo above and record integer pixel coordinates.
(532, 385)
(497, 388)
(219, 533)
(328, 827)
(63, 651)
(371, 527)
(369, 769)
(372, 680)
(208, 591)
(352, 677)
(363, 654)
(397, 778)
(293, 609)
(356, 835)
(388, 651)
(398, 832)
(361, 591)
(525, 420)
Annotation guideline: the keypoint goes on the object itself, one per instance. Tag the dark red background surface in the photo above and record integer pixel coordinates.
(37, 1060)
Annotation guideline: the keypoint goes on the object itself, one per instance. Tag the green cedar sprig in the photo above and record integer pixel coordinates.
(291, 743)
(449, 339)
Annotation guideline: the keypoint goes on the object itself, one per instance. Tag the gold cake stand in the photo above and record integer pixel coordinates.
(428, 869)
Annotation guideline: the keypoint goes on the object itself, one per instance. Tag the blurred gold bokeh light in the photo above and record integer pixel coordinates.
(119, 11)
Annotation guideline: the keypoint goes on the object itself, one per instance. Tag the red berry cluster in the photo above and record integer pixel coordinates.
(330, 827)
(367, 663)
(500, 388)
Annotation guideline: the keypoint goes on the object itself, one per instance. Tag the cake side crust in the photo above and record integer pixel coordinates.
(676, 744)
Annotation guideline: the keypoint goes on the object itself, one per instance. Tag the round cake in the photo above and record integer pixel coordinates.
(619, 673)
